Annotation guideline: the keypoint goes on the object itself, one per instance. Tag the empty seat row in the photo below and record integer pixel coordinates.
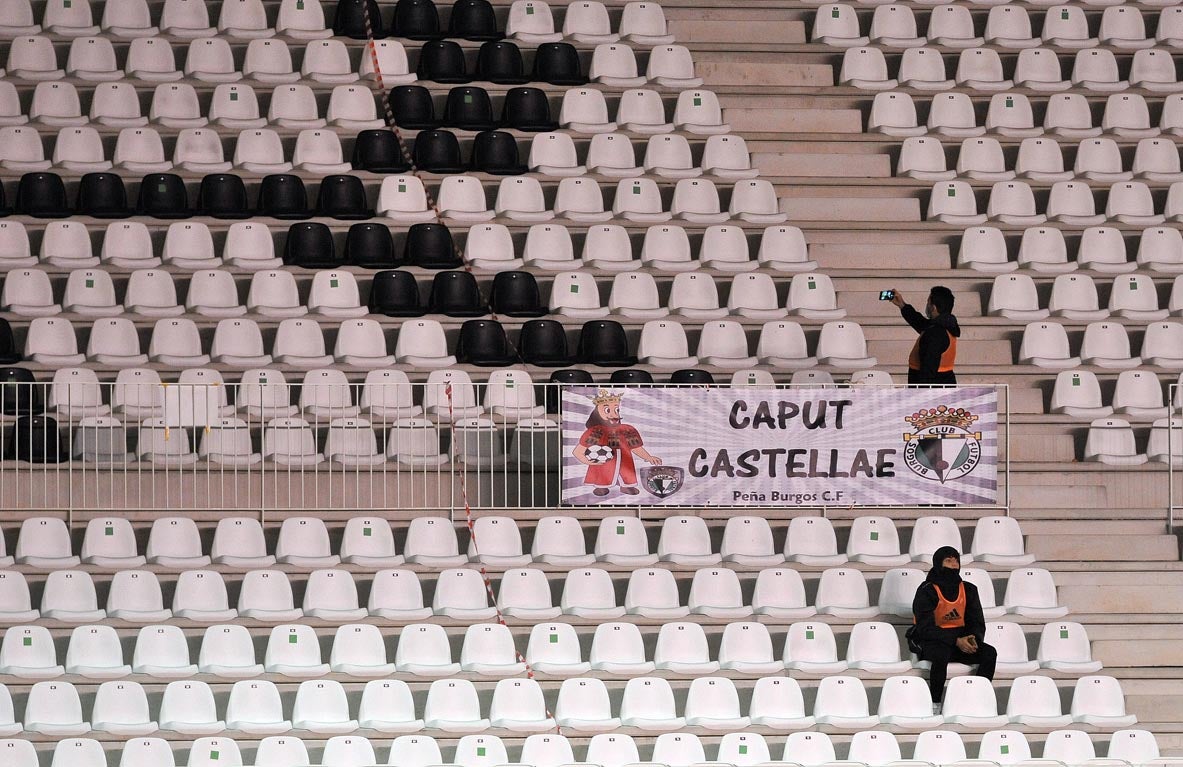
(808, 748)
(1137, 394)
(250, 246)
(462, 594)
(300, 343)
(582, 705)
(1012, 114)
(1132, 296)
(553, 649)
(333, 293)
(1105, 344)
(404, 198)
(1045, 250)
(237, 106)
(263, 393)
(640, 22)
(1112, 441)
(179, 18)
(211, 59)
(1040, 159)
(201, 150)
(1093, 69)
(1069, 202)
(305, 542)
(952, 26)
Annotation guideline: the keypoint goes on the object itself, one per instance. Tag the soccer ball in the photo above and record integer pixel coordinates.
(599, 454)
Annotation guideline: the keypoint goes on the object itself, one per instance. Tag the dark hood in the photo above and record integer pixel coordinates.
(946, 580)
(949, 323)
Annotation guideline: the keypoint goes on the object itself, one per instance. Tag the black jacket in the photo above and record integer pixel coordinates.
(926, 629)
(933, 342)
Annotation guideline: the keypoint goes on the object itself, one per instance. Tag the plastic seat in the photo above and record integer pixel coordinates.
(1098, 701)
(452, 706)
(635, 295)
(17, 19)
(874, 540)
(682, 648)
(664, 344)
(386, 706)
(1045, 344)
(653, 593)
(1009, 28)
(1068, 115)
(200, 595)
(1040, 159)
(843, 592)
(188, 708)
(952, 114)
(842, 703)
(255, 707)
(981, 69)
(865, 68)
(905, 704)
(27, 652)
(1077, 393)
(33, 58)
(952, 26)
(70, 597)
(1107, 345)
(614, 65)
(301, 21)
(54, 709)
(292, 649)
(837, 26)
(1096, 69)
(1065, 647)
(1032, 593)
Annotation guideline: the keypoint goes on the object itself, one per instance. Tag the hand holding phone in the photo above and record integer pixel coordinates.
(886, 295)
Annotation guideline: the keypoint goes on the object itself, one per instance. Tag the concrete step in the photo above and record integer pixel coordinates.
(1102, 548)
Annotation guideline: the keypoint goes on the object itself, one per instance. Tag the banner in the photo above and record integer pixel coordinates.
(857, 446)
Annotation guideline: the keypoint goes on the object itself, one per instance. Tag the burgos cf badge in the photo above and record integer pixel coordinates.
(662, 481)
(942, 447)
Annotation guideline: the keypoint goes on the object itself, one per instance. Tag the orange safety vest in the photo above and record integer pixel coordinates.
(950, 614)
(948, 357)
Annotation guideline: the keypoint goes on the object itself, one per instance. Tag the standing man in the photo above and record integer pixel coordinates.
(949, 625)
(935, 351)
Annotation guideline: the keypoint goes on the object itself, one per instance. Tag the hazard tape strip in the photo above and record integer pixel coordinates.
(458, 478)
(392, 124)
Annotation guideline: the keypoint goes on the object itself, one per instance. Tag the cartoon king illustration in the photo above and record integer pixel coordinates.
(608, 445)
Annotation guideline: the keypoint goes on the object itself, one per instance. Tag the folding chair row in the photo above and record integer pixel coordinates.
(367, 542)
(1011, 114)
(981, 69)
(1137, 394)
(1040, 159)
(178, 18)
(808, 748)
(1069, 202)
(1132, 296)
(1111, 441)
(582, 705)
(553, 649)
(953, 26)
(1105, 344)
(462, 594)
(1100, 249)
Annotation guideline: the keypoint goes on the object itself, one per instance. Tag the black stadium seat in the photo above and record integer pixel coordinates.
(350, 20)
(370, 246)
(456, 294)
(416, 20)
(283, 196)
(395, 294)
(442, 61)
(163, 195)
(496, 152)
(527, 109)
(102, 195)
(223, 195)
(430, 246)
(483, 343)
(500, 61)
(342, 197)
(42, 195)
(603, 343)
(515, 294)
(438, 151)
(413, 107)
(378, 151)
(310, 245)
(473, 20)
(544, 343)
(469, 108)
(558, 64)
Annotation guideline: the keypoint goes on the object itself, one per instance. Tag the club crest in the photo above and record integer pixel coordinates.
(662, 481)
(942, 447)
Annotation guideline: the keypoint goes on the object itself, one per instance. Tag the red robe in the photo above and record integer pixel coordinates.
(620, 469)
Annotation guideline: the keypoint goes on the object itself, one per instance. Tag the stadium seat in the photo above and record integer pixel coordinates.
(842, 703)
(1098, 701)
(777, 702)
(905, 703)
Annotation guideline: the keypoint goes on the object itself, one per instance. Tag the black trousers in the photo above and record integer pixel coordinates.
(941, 655)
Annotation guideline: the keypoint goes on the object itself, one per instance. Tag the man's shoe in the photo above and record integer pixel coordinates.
(600, 491)
(630, 490)
(936, 709)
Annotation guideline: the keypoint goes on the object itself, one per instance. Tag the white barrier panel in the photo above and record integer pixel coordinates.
(857, 446)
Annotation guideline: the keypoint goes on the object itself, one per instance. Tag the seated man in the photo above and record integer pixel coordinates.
(949, 625)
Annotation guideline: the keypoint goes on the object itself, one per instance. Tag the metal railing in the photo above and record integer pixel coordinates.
(380, 445)
(1174, 452)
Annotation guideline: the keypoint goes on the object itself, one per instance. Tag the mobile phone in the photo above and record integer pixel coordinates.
(886, 295)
